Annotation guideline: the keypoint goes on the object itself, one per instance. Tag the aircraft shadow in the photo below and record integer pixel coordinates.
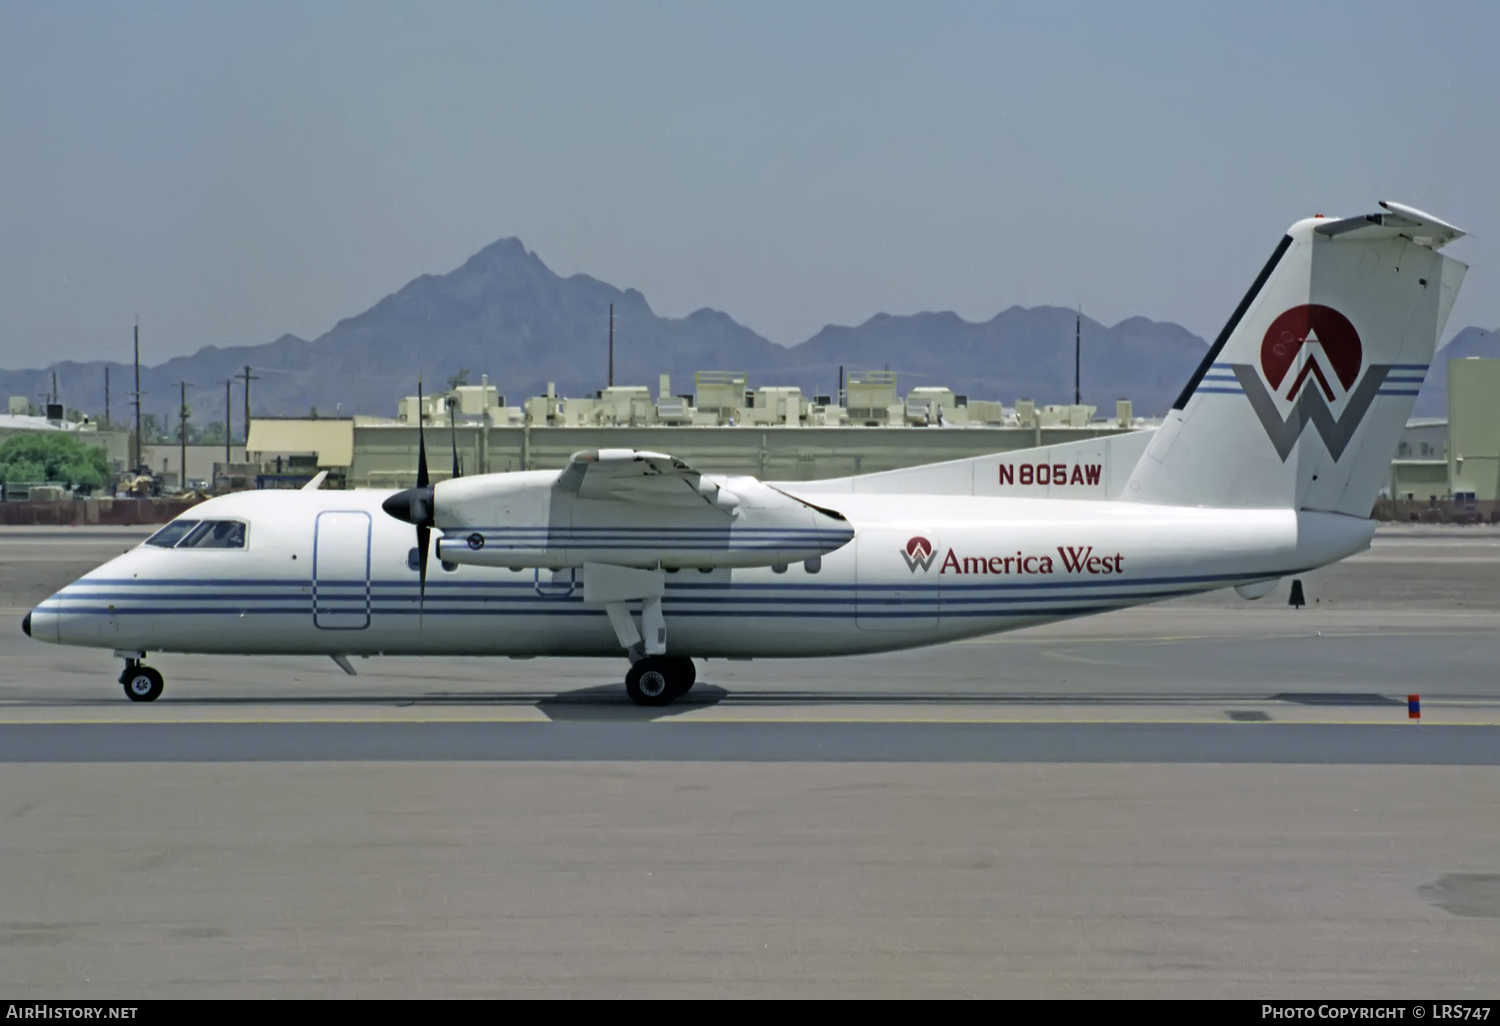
(608, 702)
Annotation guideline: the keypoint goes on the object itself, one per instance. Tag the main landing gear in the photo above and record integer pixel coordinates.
(660, 680)
(141, 682)
(655, 678)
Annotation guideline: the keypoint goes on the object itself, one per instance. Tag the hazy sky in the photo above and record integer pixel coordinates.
(234, 171)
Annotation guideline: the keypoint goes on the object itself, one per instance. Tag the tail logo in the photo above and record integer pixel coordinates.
(1314, 331)
(1311, 357)
(918, 553)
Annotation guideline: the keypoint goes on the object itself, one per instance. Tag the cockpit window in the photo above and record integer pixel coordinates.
(171, 534)
(215, 534)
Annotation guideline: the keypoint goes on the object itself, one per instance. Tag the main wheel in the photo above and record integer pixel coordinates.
(656, 680)
(687, 675)
(143, 684)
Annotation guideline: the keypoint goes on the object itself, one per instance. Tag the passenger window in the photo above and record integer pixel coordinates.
(171, 534)
(215, 534)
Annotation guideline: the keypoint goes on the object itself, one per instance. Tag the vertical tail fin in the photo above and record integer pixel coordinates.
(1301, 399)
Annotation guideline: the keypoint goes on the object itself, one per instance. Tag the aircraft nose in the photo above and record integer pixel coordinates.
(41, 623)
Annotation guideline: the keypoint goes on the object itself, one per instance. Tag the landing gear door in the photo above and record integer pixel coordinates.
(897, 579)
(341, 571)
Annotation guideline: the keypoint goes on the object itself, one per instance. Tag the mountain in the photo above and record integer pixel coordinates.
(1019, 353)
(504, 313)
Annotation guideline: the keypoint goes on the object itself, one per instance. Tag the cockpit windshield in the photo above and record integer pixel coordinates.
(200, 534)
(171, 534)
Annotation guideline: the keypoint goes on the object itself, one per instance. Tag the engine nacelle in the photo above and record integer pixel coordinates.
(672, 519)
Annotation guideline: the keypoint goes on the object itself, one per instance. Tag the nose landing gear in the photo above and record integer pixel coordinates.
(660, 680)
(141, 682)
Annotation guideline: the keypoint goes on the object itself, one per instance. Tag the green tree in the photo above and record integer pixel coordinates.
(461, 378)
(154, 432)
(53, 456)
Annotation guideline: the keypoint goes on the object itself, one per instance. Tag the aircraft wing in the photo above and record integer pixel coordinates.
(645, 478)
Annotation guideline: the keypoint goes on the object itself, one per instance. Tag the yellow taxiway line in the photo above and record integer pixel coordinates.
(835, 714)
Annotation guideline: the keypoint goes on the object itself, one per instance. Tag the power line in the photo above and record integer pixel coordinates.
(247, 377)
(1077, 351)
(182, 419)
(136, 395)
(228, 424)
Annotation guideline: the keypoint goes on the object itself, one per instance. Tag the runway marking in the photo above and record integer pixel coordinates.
(1067, 657)
(1371, 632)
(627, 715)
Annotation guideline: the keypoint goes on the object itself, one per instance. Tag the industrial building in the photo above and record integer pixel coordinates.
(769, 432)
(1453, 463)
(723, 425)
(780, 433)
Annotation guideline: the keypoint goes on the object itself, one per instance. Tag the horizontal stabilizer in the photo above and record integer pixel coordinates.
(1398, 221)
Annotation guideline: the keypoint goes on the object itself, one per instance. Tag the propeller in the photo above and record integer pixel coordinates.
(417, 506)
(453, 431)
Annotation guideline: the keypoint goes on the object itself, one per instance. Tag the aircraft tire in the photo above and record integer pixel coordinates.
(654, 681)
(687, 675)
(143, 684)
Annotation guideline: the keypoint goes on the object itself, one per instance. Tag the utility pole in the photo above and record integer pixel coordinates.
(106, 397)
(247, 377)
(182, 419)
(1077, 351)
(228, 434)
(136, 396)
(611, 345)
(49, 398)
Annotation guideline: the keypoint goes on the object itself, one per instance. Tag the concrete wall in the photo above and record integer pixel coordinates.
(385, 456)
(1420, 480)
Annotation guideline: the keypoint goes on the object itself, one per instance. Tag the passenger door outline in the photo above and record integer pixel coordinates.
(341, 549)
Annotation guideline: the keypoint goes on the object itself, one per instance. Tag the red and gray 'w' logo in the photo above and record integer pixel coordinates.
(1311, 357)
(919, 553)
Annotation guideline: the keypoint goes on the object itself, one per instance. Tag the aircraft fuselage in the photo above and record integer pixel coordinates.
(327, 572)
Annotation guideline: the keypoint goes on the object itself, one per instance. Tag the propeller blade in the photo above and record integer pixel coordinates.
(453, 429)
(424, 540)
(423, 513)
(421, 442)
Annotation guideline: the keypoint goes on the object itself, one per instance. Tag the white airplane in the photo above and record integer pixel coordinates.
(1267, 465)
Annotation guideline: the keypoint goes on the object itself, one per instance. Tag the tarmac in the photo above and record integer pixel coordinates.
(1205, 798)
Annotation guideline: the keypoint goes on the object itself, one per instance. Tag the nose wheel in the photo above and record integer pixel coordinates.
(660, 680)
(141, 683)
